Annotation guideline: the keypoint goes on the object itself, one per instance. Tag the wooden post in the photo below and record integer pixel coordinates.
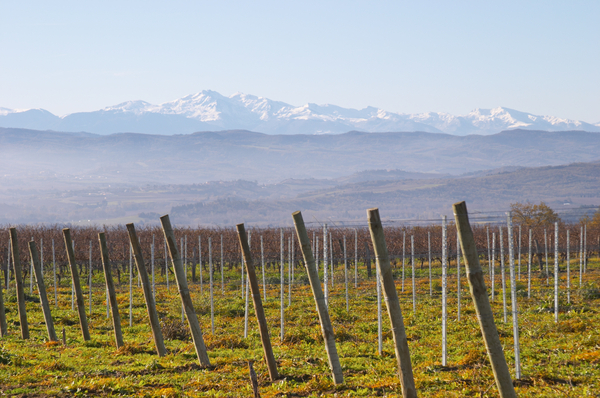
(485, 316)
(35, 256)
(110, 286)
(19, 282)
(258, 308)
(75, 279)
(184, 292)
(393, 305)
(315, 284)
(150, 306)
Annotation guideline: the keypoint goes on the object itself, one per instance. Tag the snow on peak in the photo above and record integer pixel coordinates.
(136, 107)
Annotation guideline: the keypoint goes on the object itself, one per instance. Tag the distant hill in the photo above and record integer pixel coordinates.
(131, 158)
(565, 188)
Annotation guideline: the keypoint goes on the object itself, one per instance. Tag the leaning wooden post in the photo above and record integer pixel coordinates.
(258, 307)
(75, 278)
(184, 293)
(150, 306)
(485, 317)
(393, 305)
(315, 284)
(35, 256)
(19, 282)
(110, 286)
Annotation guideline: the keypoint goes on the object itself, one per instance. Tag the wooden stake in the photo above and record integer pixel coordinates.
(35, 256)
(315, 284)
(485, 317)
(393, 305)
(76, 285)
(19, 282)
(184, 292)
(150, 306)
(258, 308)
(110, 286)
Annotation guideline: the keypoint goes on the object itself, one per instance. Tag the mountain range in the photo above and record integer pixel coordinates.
(210, 111)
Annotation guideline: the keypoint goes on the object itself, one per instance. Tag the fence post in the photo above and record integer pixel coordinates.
(485, 316)
(116, 318)
(150, 306)
(184, 292)
(393, 305)
(76, 285)
(19, 282)
(35, 257)
(258, 308)
(315, 284)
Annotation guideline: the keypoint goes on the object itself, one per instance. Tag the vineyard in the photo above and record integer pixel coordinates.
(559, 342)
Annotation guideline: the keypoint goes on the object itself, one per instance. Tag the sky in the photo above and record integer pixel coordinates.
(540, 57)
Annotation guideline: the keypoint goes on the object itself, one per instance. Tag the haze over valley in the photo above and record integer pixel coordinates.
(222, 177)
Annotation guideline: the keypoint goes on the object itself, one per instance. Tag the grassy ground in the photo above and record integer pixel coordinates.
(558, 359)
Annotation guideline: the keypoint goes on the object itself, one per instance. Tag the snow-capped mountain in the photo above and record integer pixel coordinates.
(209, 111)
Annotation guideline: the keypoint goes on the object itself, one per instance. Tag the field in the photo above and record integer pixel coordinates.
(558, 359)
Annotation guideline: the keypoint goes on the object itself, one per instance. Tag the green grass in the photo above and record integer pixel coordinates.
(558, 360)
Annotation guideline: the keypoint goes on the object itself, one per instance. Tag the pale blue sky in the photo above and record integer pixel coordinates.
(541, 57)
